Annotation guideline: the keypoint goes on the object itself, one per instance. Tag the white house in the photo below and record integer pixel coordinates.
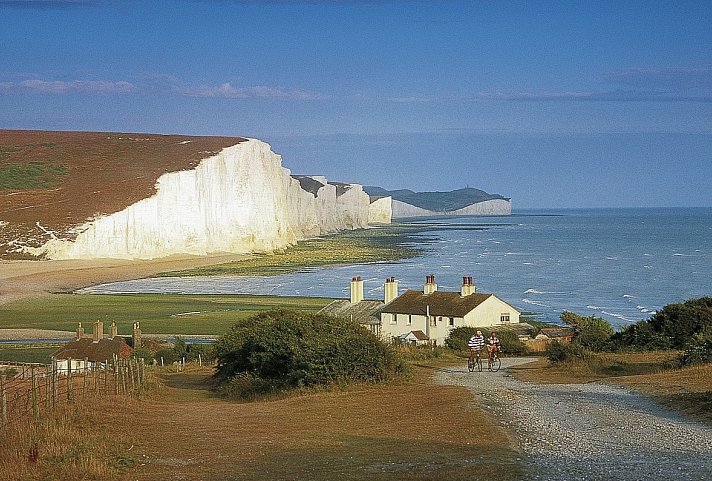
(436, 313)
(404, 317)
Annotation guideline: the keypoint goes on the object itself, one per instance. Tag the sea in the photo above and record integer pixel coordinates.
(619, 264)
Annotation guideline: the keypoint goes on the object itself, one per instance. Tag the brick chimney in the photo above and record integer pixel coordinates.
(356, 290)
(467, 287)
(390, 290)
(113, 331)
(430, 285)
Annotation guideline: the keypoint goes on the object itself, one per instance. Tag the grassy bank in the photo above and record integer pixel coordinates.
(383, 244)
(23, 353)
(687, 390)
(157, 313)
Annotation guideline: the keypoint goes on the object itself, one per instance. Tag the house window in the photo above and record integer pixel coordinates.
(433, 321)
(451, 321)
(504, 318)
(410, 320)
(394, 318)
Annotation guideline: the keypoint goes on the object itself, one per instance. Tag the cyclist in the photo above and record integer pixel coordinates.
(493, 345)
(476, 343)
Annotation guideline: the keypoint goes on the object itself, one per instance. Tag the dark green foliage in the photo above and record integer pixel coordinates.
(563, 352)
(35, 175)
(190, 352)
(145, 354)
(680, 322)
(675, 326)
(279, 350)
(591, 332)
(699, 349)
(641, 336)
(509, 341)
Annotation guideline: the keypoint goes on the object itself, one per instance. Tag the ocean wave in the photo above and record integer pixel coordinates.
(618, 316)
(535, 303)
(628, 296)
(534, 291)
(595, 308)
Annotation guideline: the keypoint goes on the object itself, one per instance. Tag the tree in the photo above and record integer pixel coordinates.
(591, 332)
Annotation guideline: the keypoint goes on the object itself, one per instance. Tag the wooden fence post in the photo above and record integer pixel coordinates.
(70, 394)
(84, 391)
(35, 405)
(3, 401)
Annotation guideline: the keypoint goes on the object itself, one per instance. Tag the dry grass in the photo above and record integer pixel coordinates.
(687, 390)
(77, 442)
(414, 430)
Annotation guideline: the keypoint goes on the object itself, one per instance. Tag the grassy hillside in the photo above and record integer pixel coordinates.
(60, 180)
(435, 201)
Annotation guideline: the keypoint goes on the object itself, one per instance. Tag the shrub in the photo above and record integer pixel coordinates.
(699, 350)
(560, 352)
(279, 350)
(169, 356)
(641, 336)
(681, 322)
(145, 354)
(591, 332)
(508, 339)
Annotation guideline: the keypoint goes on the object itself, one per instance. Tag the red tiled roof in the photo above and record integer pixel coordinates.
(95, 351)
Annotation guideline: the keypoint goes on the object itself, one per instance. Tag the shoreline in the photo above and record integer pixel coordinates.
(36, 279)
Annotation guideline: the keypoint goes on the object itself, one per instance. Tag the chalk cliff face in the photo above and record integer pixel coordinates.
(487, 207)
(240, 200)
(380, 211)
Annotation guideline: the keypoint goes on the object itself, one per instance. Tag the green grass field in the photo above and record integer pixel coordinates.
(157, 313)
(23, 353)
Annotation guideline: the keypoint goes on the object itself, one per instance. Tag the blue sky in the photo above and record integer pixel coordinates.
(555, 104)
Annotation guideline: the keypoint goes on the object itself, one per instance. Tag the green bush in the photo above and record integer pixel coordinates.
(279, 350)
(681, 322)
(145, 354)
(508, 339)
(169, 356)
(563, 352)
(591, 332)
(699, 350)
(641, 336)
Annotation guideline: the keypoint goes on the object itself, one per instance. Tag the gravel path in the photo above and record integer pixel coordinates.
(591, 431)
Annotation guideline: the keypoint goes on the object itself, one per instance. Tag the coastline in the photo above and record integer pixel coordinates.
(37, 279)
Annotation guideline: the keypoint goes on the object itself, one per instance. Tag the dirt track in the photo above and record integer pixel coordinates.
(591, 431)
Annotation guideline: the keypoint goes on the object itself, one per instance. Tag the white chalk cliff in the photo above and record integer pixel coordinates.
(486, 207)
(239, 201)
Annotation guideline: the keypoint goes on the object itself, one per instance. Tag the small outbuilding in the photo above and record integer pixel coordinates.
(91, 352)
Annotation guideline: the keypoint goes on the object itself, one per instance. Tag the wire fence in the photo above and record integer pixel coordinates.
(31, 391)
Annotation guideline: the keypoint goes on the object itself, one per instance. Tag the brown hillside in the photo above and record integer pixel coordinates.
(81, 175)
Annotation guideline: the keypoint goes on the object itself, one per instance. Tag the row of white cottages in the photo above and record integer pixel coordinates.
(423, 317)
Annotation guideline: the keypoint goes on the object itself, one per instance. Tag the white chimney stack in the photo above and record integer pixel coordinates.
(390, 290)
(468, 287)
(430, 285)
(356, 290)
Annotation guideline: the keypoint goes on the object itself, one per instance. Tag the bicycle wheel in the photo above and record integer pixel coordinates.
(496, 363)
(478, 364)
(470, 364)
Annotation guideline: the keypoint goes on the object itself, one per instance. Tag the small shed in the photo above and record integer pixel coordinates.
(417, 338)
(560, 334)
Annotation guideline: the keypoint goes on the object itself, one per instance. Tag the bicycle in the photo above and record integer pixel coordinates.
(474, 362)
(494, 363)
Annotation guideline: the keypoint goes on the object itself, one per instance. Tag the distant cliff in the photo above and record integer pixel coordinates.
(239, 200)
(407, 203)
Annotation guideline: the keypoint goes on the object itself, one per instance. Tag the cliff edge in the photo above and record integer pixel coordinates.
(236, 199)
